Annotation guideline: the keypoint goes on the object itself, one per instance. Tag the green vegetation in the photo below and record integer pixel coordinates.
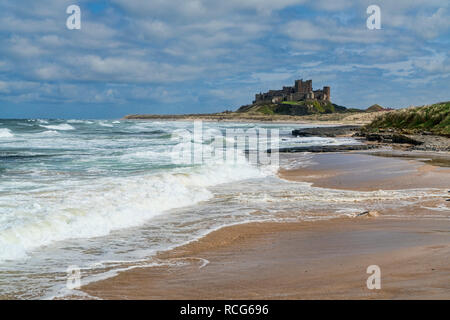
(314, 106)
(355, 110)
(294, 103)
(434, 118)
(375, 108)
(296, 108)
(265, 110)
(328, 107)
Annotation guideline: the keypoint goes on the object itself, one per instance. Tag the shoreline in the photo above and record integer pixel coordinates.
(250, 120)
(345, 125)
(305, 260)
(413, 252)
(359, 118)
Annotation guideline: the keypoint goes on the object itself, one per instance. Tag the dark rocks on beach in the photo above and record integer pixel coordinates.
(392, 138)
(372, 214)
(423, 142)
(338, 148)
(389, 136)
(325, 131)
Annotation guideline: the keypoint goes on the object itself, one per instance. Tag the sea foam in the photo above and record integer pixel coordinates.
(62, 127)
(96, 209)
(6, 133)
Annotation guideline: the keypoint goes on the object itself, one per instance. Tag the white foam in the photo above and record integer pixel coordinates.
(6, 133)
(49, 133)
(62, 127)
(79, 121)
(318, 141)
(104, 124)
(147, 155)
(96, 208)
(440, 207)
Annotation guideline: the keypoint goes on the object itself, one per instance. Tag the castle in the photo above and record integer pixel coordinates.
(302, 90)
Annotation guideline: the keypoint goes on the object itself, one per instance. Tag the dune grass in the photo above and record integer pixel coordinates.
(433, 118)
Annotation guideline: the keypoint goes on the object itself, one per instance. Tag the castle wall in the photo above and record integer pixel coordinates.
(298, 87)
(307, 86)
(327, 92)
(302, 90)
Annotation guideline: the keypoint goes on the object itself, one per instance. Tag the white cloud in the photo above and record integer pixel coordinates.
(24, 47)
(4, 87)
(271, 76)
(431, 26)
(328, 30)
(334, 5)
(194, 9)
(139, 50)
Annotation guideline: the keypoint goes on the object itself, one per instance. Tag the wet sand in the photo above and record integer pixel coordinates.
(312, 260)
(365, 172)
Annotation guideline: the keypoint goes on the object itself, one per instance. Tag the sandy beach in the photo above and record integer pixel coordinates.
(238, 150)
(315, 259)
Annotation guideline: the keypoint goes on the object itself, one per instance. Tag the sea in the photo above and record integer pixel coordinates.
(92, 198)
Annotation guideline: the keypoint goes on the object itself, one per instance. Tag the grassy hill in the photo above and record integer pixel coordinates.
(375, 108)
(433, 118)
(293, 108)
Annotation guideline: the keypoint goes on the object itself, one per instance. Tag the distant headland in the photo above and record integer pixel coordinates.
(301, 103)
(285, 104)
(298, 100)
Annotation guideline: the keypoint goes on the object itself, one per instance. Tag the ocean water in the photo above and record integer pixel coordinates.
(106, 196)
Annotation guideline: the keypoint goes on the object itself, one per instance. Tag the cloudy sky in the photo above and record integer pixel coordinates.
(188, 56)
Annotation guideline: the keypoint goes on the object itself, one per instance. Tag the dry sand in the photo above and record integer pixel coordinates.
(359, 118)
(311, 260)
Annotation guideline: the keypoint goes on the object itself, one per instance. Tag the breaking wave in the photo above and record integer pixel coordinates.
(94, 210)
(62, 127)
(6, 133)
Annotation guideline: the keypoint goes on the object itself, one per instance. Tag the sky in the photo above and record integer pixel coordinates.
(201, 56)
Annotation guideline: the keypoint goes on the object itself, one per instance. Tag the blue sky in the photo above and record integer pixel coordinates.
(190, 56)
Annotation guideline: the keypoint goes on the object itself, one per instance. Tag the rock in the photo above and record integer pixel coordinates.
(392, 138)
(374, 137)
(372, 214)
(325, 131)
(398, 138)
(325, 148)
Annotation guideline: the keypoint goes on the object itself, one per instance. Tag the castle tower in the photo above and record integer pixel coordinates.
(307, 86)
(327, 93)
(298, 85)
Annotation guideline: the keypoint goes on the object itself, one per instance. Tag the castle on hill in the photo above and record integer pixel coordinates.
(301, 91)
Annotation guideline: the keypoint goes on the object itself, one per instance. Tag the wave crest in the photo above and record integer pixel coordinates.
(6, 133)
(62, 127)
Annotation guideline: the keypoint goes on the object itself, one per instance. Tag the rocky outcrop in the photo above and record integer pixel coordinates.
(326, 131)
(370, 214)
(391, 138)
(315, 149)
(349, 130)
(422, 142)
